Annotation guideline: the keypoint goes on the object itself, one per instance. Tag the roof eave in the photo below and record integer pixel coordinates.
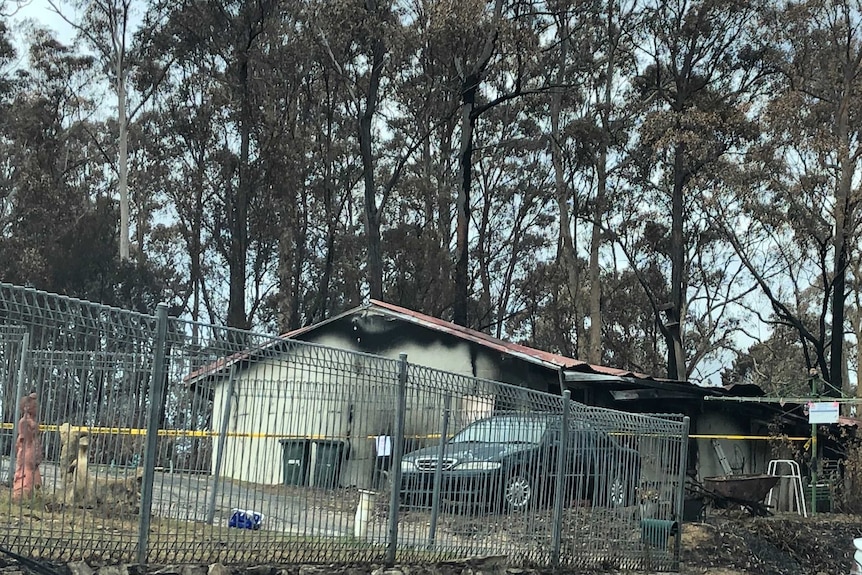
(586, 377)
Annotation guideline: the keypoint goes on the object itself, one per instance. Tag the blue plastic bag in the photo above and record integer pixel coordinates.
(245, 519)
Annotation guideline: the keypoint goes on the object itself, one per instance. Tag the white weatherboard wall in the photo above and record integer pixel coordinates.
(273, 399)
(294, 397)
(425, 399)
(347, 397)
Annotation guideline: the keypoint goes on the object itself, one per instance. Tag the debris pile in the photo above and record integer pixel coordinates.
(781, 545)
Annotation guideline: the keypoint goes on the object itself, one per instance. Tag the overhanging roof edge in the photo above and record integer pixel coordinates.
(578, 376)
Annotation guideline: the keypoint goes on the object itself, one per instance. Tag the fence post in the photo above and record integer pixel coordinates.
(397, 454)
(19, 393)
(438, 469)
(222, 441)
(559, 485)
(680, 490)
(157, 383)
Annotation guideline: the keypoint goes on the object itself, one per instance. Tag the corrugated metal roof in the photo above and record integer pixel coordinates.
(531, 355)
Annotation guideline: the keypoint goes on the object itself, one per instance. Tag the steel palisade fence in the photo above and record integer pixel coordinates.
(166, 440)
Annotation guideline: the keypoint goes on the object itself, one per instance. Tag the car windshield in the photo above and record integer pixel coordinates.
(503, 430)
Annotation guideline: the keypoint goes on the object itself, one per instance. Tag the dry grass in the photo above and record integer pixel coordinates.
(340, 500)
(41, 528)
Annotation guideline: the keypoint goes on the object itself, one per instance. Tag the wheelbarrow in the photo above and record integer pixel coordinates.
(747, 490)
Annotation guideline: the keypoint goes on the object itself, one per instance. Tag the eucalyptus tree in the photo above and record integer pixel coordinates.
(7, 84)
(706, 62)
(184, 135)
(308, 132)
(775, 363)
(108, 28)
(495, 47)
(512, 213)
(225, 43)
(796, 229)
(616, 31)
(421, 230)
(824, 73)
(376, 48)
(259, 126)
(590, 126)
(335, 267)
(61, 234)
(631, 338)
(47, 165)
(475, 27)
(567, 24)
(854, 317)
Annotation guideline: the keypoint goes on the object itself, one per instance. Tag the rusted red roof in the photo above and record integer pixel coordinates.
(529, 354)
(222, 364)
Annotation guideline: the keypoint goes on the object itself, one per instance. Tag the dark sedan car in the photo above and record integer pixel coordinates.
(510, 461)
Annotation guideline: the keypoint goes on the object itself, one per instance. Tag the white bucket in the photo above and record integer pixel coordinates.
(363, 513)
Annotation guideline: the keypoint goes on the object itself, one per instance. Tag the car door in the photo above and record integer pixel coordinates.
(580, 459)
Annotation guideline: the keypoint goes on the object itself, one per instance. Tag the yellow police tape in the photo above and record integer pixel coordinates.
(167, 432)
(747, 437)
(135, 431)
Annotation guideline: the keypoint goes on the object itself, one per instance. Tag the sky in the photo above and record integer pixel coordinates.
(40, 12)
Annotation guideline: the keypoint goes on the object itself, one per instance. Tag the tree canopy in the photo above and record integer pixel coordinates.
(643, 184)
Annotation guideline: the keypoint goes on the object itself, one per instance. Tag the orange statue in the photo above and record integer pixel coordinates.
(28, 454)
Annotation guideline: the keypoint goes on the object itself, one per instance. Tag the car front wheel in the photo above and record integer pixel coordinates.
(618, 493)
(518, 492)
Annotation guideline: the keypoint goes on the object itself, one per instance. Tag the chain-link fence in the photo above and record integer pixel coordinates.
(164, 440)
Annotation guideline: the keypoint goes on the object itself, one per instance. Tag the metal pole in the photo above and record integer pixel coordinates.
(157, 384)
(438, 469)
(222, 440)
(397, 453)
(814, 392)
(19, 393)
(680, 491)
(813, 469)
(559, 491)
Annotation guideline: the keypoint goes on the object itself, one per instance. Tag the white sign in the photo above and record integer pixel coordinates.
(383, 446)
(823, 412)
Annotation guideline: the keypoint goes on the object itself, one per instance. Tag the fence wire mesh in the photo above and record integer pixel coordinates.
(197, 443)
(88, 367)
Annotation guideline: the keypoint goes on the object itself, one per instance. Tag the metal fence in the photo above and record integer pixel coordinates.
(165, 440)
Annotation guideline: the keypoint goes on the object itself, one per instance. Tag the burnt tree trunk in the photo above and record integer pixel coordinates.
(469, 87)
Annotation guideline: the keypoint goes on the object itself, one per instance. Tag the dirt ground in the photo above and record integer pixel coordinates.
(724, 544)
(787, 544)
